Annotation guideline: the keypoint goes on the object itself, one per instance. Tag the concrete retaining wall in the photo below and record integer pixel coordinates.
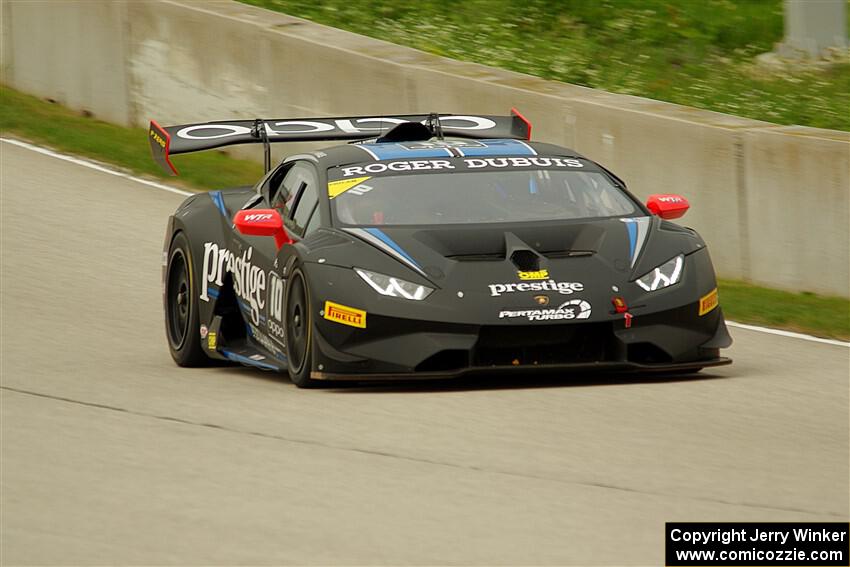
(772, 202)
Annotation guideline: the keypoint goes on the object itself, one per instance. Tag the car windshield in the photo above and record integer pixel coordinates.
(477, 197)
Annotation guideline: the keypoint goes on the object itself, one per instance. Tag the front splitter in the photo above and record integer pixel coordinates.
(600, 367)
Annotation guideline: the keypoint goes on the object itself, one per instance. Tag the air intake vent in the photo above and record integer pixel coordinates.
(557, 254)
(521, 254)
(497, 257)
(526, 260)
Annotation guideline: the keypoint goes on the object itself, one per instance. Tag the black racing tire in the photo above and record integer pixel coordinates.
(181, 306)
(299, 331)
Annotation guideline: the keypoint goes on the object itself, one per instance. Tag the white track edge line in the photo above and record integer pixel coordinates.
(162, 187)
(95, 166)
(788, 334)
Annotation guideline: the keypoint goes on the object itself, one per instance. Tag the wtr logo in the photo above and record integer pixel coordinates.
(258, 217)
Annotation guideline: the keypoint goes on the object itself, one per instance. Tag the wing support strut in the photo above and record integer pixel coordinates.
(259, 131)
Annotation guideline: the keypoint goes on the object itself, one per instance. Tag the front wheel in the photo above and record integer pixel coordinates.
(299, 331)
(181, 306)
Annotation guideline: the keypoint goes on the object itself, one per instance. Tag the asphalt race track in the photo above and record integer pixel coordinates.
(111, 454)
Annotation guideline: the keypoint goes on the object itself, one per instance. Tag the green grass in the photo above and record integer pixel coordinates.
(693, 52)
(803, 312)
(53, 125)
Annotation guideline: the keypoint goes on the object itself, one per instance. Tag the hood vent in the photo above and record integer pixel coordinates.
(495, 244)
(526, 260)
(523, 256)
(495, 257)
(558, 254)
(499, 256)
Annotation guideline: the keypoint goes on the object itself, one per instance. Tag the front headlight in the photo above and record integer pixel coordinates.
(665, 275)
(394, 287)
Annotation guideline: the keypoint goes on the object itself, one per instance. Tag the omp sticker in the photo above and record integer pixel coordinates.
(336, 188)
(538, 275)
(211, 341)
(345, 315)
(708, 302)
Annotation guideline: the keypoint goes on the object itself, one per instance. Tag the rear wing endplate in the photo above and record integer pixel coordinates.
(172, 140)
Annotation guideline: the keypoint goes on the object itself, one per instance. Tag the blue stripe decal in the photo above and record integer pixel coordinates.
(638, 229)
(248, 309)
(391, 243)
(498, 148)
(249, 361)
(219, 201)
(397, 151)
(631, 226)
(212, 292)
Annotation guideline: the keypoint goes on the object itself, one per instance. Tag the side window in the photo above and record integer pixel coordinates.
(313, 223)
(304, 209)
(273, 182)
(300, 174)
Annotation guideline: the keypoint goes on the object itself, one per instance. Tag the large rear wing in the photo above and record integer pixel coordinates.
(172, 140)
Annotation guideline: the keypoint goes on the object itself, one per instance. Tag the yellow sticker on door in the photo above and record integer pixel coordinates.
(708, 302)
(345, 315)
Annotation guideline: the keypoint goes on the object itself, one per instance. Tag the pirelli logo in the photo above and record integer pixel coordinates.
(708, 302)
(538, 275)
(345, 315)
(157, 138)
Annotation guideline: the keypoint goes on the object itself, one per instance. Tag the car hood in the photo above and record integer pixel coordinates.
(456, 255)
(497, 273)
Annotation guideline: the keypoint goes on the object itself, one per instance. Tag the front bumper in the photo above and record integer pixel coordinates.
(391, 348)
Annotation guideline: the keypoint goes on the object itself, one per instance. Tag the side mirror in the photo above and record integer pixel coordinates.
(262, 222)
(667, 206)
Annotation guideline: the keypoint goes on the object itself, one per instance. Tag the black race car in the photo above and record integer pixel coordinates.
(430, 246)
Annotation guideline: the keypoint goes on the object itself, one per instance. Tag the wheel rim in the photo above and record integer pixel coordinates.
(297, 324)
(177, 291)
